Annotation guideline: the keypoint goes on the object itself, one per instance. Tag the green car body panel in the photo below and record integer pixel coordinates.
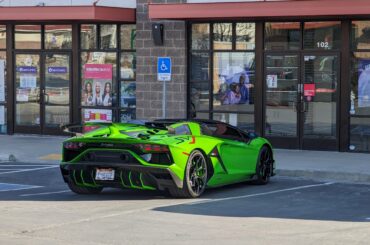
(236, 161)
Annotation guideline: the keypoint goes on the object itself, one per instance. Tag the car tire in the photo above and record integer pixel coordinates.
(83, 189)
(195, 179)
(264, 166)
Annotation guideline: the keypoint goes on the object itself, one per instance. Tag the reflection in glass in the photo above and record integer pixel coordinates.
(128, 35)
(98, 89)
(57, 79)
(199, 67)
(88, 36)
(200, 115)
(281, 95)
(282, 36)
(360, 84)
(243, 121)
(245, 36)
(56, 115)
(128, 115)
(2, 36)
(27, 84)
(58, 36)
(222, 35)
(3, 87)
(360, 34)
(128, 65)
(322, 35)
(3, 124)
(27, 36)
(108, 36)
(233, 81)
(360, 134)
(199, 96)
(200, 36)
(128, 94)
(320, 96)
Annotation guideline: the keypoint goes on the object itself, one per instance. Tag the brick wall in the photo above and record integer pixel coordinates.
(148, 89)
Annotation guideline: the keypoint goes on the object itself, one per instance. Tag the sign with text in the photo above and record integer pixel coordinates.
(57, 69)
(98, 71)
(164, 69)
(309, 89)
(27, 69)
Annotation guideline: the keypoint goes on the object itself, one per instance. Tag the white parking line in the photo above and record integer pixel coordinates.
(27, 170)
(16, 187)
(260, 194)
(44, 193)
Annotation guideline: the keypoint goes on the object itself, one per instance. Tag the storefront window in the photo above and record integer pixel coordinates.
(282, 36)
(222, 36)
(322, 35)
(199, 96)
(245, 36)
(98, 78)
(360, 102)
(360, 34)
(27, 36)
(128, 35)
(200, 36)
(199, 67)
(3, 118)
(233, 81)
(58, 36)
(128, 65)
(88, 35)
(242, 121)
(108, 36)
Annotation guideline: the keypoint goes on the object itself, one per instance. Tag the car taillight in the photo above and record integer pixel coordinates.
(73, 145)
(153, 148)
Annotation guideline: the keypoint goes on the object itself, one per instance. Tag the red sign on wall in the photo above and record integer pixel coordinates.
(309, 89)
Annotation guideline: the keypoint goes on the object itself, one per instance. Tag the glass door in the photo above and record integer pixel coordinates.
(319, 96)
(282, 80)
(42, 92)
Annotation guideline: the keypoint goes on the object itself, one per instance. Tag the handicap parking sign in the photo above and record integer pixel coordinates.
(164, 69)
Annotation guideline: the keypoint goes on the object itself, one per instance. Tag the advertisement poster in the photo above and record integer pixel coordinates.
(364, 83)
(2, 115)
(97, 87)
(272, 81)
(2, 80)
(97, 115)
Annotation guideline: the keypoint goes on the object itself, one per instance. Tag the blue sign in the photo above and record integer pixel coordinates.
(57, 69)
(164, 69)
(27, 69)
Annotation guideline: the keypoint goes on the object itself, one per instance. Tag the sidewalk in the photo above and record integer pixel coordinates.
(317, 165)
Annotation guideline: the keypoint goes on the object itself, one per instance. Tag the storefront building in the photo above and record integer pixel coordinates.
(296, 72)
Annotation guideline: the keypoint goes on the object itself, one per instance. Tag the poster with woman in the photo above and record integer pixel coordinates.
(97, 87)
(364, 83)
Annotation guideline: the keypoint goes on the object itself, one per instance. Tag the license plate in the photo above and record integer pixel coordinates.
(104, 174)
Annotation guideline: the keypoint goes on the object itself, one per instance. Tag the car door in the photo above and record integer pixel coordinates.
(235, 151)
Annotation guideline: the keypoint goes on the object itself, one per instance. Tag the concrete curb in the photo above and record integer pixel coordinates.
(320, 175)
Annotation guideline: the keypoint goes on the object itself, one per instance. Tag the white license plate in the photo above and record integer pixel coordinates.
(104, 174)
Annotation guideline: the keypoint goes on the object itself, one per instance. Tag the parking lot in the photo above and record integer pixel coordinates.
(38, 208)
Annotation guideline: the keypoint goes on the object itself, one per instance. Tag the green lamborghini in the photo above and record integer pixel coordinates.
(182, 157)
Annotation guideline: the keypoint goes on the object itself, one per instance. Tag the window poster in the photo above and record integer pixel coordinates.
(364, 83)
(97, 115)
(97, 86)
(128, 94)
(272, 81)
(2, 80)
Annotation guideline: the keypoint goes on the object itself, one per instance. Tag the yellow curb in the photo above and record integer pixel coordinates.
(51, 157)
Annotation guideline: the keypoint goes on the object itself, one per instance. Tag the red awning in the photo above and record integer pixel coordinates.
(62, 13)
(228, 10)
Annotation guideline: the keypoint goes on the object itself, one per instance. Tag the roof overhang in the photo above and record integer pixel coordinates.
(259, 9)
(68, 13)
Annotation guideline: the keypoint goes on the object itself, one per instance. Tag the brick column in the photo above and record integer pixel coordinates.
(148, 89)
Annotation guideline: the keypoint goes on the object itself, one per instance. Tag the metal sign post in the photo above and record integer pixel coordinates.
(164, 75)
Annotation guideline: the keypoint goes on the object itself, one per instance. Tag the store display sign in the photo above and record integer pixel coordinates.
(57, 69)
(97, 115)
(2, 80)
(364, 83)
(26, 69)
(98, 71)
(272, 81)
(309, 89)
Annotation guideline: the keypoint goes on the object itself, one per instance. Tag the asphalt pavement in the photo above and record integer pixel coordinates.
(37, 207)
